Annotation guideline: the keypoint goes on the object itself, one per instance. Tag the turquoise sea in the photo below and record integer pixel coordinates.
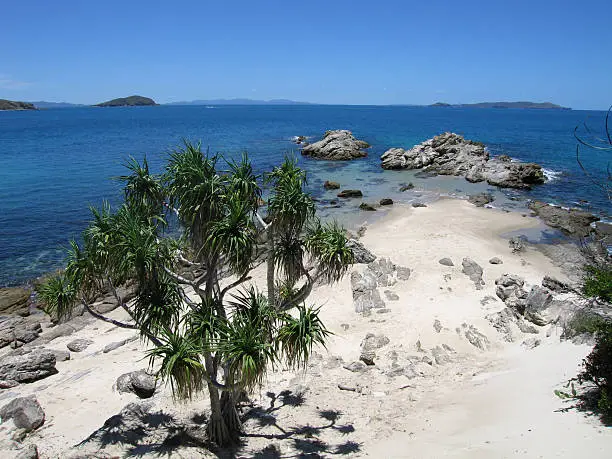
(55, 163)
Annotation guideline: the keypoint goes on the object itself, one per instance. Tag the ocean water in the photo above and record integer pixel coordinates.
(55, 163)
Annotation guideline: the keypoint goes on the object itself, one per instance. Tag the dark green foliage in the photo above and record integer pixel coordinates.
(598, 367)
(298, 335)
(598, 282)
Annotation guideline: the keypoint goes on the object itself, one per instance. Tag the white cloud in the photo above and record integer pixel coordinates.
(6, 82)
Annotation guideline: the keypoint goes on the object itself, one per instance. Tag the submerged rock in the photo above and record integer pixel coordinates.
(328, 185)
(337, 145)
(451, 154)
(350, 194)
(480, 199)
(367, 207)
(386, 202)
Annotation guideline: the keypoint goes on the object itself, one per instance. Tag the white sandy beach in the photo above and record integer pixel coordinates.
(495, 403)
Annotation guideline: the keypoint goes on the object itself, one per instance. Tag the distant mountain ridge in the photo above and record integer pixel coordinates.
(538, 105)
(131, 101)
(45, 104)
(240, 102)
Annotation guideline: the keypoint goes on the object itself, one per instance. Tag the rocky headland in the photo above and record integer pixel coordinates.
(339, 145)
(452, 154)
(15, 105)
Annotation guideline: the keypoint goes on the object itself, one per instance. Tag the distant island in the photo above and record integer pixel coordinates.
(240, 102)
(538, 105)
(131, 101)
(14, 105)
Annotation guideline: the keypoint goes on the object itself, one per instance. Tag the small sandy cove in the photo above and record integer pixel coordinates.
(456, 401)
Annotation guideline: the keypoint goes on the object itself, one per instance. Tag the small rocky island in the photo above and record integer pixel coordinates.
(338, 145)
(15, 105)
(131, 101)
(451, 154)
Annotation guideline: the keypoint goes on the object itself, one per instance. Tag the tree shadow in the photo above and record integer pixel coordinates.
(586, 402)
(304, 438)
(144, 431)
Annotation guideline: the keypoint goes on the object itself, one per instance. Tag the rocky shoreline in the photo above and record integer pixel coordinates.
(451, 154)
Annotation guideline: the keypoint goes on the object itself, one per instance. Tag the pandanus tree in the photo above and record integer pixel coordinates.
(207, 327)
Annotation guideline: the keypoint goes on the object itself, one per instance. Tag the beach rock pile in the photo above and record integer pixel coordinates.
(360, 253)
(521, 306)
(369, 346)
(451, 154)
(338, 145)
(574, 222)
(380, 273)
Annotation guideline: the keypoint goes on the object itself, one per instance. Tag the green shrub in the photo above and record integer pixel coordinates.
(598, 282)
(597, 368)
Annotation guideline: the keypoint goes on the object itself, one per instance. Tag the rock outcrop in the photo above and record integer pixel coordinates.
(380, 273)
(17, 331)
(15, 105)
(28, 367)
(572, 221)
(451, 154)
(14, 300)
(25, 412)
(338, 145)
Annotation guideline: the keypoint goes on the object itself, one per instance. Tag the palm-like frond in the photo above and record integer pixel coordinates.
(58, 294)
(289, 255)
(158, 303)
(289, 206)
(234, 235)
(180, 364)
(327, 246)
(142, 189)
(195, 188)
(242, 182)
(298, 335)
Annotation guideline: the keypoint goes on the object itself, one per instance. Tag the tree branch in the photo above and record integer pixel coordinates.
(97, 315)
(245, 277)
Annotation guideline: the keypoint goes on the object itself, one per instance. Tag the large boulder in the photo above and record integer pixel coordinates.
(18, 331)
(14, 300)
(28, 367)
(360, 253)
(139, 382)
(337, 145)
(572, 221)
(451, 154)
(25, 412)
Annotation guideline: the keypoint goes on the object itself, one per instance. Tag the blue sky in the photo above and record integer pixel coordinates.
(334, 51)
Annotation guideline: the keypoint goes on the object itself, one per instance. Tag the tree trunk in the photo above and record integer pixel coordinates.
(270, 274)
(230, 414)
(217, 430)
